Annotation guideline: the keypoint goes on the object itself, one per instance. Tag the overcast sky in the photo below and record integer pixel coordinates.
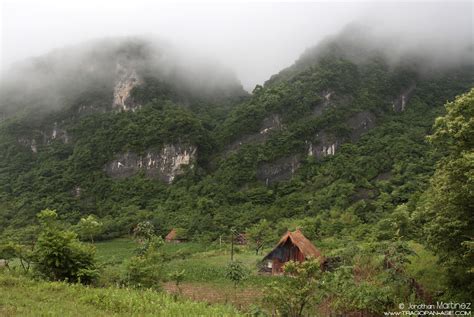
(255, 39)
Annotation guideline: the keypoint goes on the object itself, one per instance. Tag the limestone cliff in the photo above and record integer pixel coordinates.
(127, 79)
(164, 165)
(281, 169)
(39, 137)
(323, 144)
(269, 125)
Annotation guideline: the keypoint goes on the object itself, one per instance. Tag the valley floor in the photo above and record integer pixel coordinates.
(24, 297)
(204, 291)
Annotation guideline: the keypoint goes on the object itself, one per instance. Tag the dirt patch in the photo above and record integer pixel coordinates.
(241, 298)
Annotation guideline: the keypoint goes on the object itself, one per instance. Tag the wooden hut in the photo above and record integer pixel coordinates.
(293, 246)
(241, 239)
(173, 237)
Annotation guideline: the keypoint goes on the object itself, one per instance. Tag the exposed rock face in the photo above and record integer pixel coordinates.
(325, 144)
(361, 123)
(326, 102)
(165, 164)
(29, 143)
(44, 137)
(127, 80)
(269, 125)
(322, 145)
(55, 133)
(399, 104)
(77, 191)
(281, 169)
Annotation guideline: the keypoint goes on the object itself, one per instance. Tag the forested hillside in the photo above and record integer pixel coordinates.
(336, 144)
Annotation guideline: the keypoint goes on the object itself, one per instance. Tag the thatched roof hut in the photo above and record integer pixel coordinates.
(293, 246)
(173, 236)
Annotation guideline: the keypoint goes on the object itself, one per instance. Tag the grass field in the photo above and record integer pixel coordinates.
(23, 297)
(115, 251)
(205, 290)
(204, 269)
(200, 263)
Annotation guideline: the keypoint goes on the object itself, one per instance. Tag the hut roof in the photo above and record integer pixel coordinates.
(171, 235)
(300, 241)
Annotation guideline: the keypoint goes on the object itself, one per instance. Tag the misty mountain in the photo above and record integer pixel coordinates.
(131, 131)
(100, 75)
(362, 44)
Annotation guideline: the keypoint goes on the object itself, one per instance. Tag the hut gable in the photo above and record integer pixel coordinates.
(293, 246)
(171, 235)
(176, 235)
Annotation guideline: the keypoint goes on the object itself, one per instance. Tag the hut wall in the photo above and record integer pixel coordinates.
(277, 267)
(283, 254)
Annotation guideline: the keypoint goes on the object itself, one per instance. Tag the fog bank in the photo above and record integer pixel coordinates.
(255, 39)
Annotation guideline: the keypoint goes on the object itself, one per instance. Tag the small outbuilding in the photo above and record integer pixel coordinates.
(241, 239)
(174, 237)
(293, 246)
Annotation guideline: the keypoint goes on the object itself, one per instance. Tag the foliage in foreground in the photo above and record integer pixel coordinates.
(23, 297)
(446, 209)
(297, 294)
(146, 268)
(373, 280)
(59, 255)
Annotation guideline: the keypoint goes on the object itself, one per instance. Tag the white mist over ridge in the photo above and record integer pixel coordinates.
(60, 77)
(255, 39)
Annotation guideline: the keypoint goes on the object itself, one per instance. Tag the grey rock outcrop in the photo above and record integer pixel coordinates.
(325, 103)
(399, 104)
(269, 125)
(324, 144)
(46, 136)
(55, 133)
(29, 143)
(164, 165)
(360, 123)
(281, 169)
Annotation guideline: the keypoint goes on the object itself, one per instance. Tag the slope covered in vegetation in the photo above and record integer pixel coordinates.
(327, 137)
(335, 144)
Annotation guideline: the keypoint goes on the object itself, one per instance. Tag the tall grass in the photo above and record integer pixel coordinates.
(23, 297)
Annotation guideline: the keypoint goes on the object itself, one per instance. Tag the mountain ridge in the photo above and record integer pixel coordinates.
(291, 150)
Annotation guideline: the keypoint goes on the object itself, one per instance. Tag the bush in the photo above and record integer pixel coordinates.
(146, 269)
(297, 293)
(60, 256)
(236, 272)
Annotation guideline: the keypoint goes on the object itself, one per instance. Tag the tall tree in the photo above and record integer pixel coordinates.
(447, 208)
(260, 235)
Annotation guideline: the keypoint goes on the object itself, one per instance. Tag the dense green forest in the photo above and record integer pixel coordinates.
(336, 146)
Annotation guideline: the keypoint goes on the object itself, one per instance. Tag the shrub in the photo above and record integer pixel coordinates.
(60, 256)
(236, 272)
(146, 269)
(296, 294)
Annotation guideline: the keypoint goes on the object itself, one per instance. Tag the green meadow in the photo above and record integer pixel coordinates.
(24, 297)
